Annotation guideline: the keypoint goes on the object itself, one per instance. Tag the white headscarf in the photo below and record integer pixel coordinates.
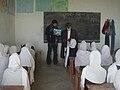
(16, 72)
(94, 72)
(6, 49)
(32, 53)
(3, 65)
(93, 46)
(116, 81)
(106, 57)
(27, 60)
(113, 68)
(117, 57)
(28, 45)
(12, 49)
(72, 43)
(82, 55)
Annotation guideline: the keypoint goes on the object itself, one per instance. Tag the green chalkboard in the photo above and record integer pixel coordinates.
(87, 24)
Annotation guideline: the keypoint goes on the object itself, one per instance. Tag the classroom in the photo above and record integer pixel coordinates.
(23, 21)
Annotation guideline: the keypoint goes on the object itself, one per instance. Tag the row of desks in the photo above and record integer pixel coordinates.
(11, 87)
(75, 76)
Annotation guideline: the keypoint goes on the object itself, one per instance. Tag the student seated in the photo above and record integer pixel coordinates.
(114, 68)
(82, 56)
(116, 81)
(28, 61)
(3, 65)
(106, 57)
(15, 74)
(93, 46)
(6, 50)
(12, 49)
(31, 49)
(93, 72)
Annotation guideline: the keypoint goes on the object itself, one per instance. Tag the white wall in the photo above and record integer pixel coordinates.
(7, 28)
(29, 26)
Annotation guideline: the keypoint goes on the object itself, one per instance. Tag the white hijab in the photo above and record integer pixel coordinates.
(82, 55)
(29, 45)
(6, 49)
(106, 57)
(3, 65)
(113, 68)
(116, 81)
(27, 60)
(32, 53)
(72, 43)
(94, 72)
(16, 72)
(93, 46)
(12, 49)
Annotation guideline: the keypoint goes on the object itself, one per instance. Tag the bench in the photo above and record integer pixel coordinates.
(104, 86)
(11, 87)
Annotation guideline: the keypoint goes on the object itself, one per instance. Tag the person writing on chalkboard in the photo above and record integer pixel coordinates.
(67, 35)
(52, 42)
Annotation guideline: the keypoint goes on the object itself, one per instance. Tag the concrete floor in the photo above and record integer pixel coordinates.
(51, 78)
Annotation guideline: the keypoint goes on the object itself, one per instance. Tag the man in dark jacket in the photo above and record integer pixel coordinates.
(65, 38)
(52, 42)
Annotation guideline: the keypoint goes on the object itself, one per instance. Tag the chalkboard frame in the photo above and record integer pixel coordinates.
(89, 23)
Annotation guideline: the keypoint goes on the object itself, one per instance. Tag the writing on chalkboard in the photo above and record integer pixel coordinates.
(87, 24)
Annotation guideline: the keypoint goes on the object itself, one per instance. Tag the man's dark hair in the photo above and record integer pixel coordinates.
(68, 25)
(54, 21)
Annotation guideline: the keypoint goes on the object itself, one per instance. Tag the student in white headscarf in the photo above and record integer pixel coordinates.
(28, 61)
(93, 46)
(6, 49)
(106, 57)
(30, 48)
(12, 49)
(114, 68)
(93, 72)
(3, 65)
(15, 74)
(116, 81)
(82, 55)
(70, 49)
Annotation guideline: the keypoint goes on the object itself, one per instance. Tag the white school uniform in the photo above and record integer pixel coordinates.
(82, 55)
(93, 72)
(15, 74)
(29, 45)
(113, 68)
(106, 57)
(3, 65)
(12, 49)
(6, 50)
(93, 46)
(71, 44)
(116, 81)
(27, 60)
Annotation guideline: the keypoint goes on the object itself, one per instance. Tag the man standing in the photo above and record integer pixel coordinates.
(52, 42)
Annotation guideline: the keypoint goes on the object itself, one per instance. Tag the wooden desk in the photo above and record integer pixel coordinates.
(77, 78)
(104, 86)
(11, 87)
